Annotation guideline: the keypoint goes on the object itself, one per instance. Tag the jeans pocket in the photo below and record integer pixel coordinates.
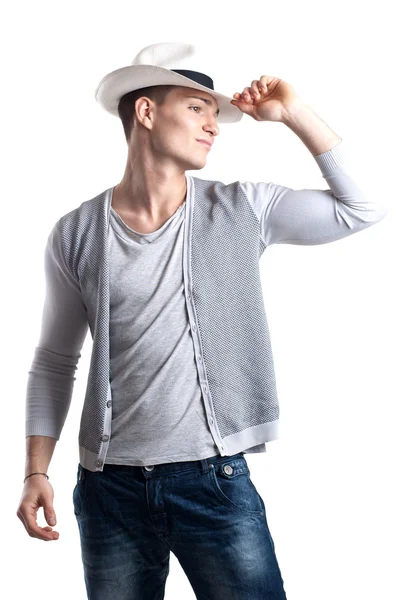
(79, 490)
(231, 483)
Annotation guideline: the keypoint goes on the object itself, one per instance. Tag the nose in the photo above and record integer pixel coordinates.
(212, 126)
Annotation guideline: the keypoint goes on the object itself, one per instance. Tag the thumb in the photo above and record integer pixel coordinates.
(49, 514)
(245, 107)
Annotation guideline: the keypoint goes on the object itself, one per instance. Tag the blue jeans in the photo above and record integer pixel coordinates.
(207, 512)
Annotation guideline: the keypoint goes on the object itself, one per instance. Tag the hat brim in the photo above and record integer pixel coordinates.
(126, 79)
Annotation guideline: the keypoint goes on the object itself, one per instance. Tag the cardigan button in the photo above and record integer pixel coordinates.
(104, 438)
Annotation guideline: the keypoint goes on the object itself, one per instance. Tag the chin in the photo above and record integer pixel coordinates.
(196, 166)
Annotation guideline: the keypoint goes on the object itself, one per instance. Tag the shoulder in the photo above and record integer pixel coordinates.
(87, 207)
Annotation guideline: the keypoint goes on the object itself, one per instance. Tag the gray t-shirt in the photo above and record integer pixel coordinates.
(158, 414)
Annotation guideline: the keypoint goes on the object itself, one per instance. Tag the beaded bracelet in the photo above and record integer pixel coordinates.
(45, 474)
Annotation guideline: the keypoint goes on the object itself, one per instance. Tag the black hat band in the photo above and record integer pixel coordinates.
(200, 78)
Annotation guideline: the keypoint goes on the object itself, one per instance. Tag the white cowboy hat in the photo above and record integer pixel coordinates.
(167, 63)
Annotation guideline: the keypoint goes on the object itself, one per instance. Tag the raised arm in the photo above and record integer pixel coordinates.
(315, 216)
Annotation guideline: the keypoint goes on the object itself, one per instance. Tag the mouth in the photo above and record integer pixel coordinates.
(204, 143)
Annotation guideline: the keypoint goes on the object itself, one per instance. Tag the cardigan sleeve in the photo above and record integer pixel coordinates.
(315, 216)
(64, 328)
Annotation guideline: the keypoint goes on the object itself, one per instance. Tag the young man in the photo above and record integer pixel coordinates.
(163, 269)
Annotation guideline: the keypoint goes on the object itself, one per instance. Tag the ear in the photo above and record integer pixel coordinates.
(144, 109)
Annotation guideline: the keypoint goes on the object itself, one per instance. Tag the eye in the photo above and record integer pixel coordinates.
(195, 107)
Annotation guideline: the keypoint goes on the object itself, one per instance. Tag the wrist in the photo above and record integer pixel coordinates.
(34, 474)
(294, 112)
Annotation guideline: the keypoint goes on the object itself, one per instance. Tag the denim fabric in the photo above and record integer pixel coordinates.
(207, 512)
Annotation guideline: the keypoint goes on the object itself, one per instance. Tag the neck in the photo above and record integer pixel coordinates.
(149, 191)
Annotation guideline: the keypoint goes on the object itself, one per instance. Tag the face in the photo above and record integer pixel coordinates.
(179, 123)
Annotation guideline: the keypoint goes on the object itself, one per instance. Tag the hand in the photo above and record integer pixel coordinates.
(268, 99)
(37, 492)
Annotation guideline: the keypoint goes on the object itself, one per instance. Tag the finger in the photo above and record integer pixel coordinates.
(34, 530)
(246, 95)
(263, 81)
(45, 533)
(42, 533)
(255, 92)
(239, 98)
(267, 83)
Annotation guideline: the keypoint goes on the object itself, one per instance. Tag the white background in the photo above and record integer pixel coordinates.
(330, 482)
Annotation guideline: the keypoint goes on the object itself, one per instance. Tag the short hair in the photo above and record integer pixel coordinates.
(127, 104)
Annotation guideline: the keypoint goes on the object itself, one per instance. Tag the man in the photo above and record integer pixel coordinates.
(163, 269)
